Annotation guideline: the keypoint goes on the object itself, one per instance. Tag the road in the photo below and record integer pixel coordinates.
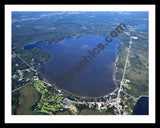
(44, 82)
(32, 70)
(134, 98)
(27, 65)
(19, 88)
(124, 71)
(25, 62)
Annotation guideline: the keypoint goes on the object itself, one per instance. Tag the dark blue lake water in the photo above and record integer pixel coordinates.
(93, 78)
(141, 107)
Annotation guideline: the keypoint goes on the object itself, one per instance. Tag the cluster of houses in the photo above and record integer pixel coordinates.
(66, 103)
(98, 105)
(125, 82)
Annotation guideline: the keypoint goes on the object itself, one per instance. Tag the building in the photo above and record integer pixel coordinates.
(98, 105)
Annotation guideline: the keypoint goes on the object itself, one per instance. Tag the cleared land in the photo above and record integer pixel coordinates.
(28, 97)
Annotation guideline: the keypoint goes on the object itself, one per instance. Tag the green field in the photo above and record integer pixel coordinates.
(93, 112)
(28, 97)
(66, 112)
(36, 98)
(50, 102)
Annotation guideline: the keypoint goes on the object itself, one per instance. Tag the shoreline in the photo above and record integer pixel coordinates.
(142, 96)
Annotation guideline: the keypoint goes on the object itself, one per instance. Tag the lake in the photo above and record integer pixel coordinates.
(141, 107)
(94, 79)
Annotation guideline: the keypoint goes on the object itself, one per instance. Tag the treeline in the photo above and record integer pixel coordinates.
(15, 96)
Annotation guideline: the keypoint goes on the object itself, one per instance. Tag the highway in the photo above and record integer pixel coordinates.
(124, 71)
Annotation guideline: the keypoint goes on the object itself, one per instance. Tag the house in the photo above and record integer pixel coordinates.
(66, 102)
(98, 105)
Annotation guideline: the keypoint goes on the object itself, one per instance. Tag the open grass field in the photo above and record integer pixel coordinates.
(28, 97)
(93, 112)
